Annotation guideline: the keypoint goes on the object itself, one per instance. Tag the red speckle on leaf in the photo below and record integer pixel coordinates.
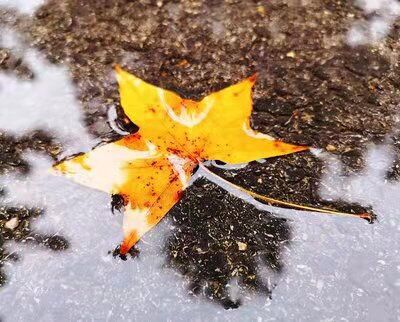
(178, 195)
(253, 78)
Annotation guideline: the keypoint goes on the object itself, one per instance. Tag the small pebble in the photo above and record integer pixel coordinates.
(242, 246)
(261, 10)
(291, 54)
(330, 148)
(12, 223)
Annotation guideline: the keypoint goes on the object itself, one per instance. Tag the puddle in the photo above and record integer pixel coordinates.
(335, 268)
(23, 6)
(47, 103)
(380, 18)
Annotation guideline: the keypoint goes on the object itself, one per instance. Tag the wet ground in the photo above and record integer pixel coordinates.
(313, 88)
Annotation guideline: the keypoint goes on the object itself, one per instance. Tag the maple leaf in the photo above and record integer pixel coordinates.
(151, 168)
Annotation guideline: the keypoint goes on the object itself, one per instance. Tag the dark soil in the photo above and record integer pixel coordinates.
(205, 246)
(312, 89)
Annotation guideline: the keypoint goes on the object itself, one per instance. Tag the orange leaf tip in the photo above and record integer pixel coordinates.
(128, 243)
(117, 68)
(253, 78)
(124, 249)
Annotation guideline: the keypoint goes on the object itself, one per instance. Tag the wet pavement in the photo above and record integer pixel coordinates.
(215, 250)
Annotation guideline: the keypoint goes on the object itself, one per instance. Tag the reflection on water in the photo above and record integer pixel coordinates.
(17, 218)
(334, 268)
(23, 6)
(12, 149)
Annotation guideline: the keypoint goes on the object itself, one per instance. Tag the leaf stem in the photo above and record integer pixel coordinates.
(367, 216)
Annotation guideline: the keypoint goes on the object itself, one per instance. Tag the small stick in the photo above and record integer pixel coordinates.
(367, 216)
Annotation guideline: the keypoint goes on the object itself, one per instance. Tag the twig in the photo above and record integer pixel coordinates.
(369, 217)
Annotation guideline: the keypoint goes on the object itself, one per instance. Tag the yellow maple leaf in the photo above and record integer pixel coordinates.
(152, 167)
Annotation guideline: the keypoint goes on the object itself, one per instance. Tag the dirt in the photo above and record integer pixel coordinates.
(224, 238)
(312, 89)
